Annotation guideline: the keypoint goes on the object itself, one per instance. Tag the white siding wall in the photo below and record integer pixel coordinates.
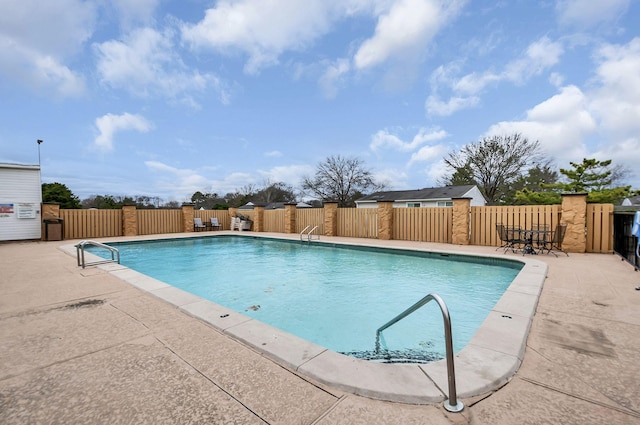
(477, 200)
(20, 195)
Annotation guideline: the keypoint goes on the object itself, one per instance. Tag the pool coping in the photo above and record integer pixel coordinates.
(489, 360)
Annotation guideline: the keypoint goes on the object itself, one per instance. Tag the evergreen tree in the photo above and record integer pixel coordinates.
(60, 193)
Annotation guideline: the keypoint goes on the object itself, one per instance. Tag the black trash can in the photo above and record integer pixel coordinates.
(53, 229)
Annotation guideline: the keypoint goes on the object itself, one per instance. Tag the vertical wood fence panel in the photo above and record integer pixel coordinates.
(485, 219)
(85, 224)
(159, 221)
(274, 221)
(599, 228)
(423, 224)
(310, 217)
(358, 222)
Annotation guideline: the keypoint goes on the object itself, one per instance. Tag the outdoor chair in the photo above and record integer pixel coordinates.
(198, 225)
(509, 237)
(215, 224)
(539, 235)
(554, 243)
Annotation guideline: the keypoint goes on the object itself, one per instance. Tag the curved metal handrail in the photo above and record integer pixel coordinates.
(452, 404)
(309, 234)
(80, 253)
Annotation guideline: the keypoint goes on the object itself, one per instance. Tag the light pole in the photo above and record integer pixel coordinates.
(39, 141)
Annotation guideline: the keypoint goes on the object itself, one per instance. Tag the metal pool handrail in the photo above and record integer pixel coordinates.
(309, 233)
(452, 404)
(80, 253)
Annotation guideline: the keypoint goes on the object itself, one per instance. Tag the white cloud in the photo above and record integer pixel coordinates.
(108, 125)
(617, 101)
(428, 154)
(435, 171)
(394, 179)
(585, 14)
(383, 138)
(435, 106)
(290, 174)
(603, 122)
(36, 38)
(134, 12)
(261, 29)
(334, 75)
(538, 57)
(146, 64)
(561, 124)
(273, 154)
(407, 28)
(176, 181)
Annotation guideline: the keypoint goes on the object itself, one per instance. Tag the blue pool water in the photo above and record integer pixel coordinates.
(332, 295)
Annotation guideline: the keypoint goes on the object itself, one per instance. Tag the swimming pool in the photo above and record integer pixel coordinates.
(487, 362)
(331, 295)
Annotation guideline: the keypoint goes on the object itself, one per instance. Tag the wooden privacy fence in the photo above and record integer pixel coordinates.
(83, 224)
(151, 222)
(589, 226)
(309, 217)
(358, 222)
(423, 224)
(599, 228)
(485, 219)
(274, 221)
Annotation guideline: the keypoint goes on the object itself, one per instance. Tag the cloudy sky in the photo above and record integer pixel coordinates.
(166, 97)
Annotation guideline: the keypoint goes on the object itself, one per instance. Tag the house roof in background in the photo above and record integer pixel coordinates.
(272, 205)
(631, 201)
(446, 192)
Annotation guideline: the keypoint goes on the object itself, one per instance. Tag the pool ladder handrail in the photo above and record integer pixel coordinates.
(309, 234)
(452, 404)
(80, 253)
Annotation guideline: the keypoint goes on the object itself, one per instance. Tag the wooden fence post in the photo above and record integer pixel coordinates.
(330, 218)
(461, 221)
(290, 218)
(129, 220)
(574, 215)
(187, 217)
(385, 220)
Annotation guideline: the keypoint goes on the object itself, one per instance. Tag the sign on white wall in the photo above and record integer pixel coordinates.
(26, 210)
(6, 210)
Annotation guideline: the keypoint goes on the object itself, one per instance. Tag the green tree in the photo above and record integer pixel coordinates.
(588, 176)
(594, 177)
(528, 188)
(208, 201)
(530, 197)
(106, 202)
(494, 164)
(342, 180)
(60, 193)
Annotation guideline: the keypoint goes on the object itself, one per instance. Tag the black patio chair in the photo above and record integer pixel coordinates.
(510, 237)
(554, 243)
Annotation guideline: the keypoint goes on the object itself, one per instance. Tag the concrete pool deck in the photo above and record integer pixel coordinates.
(83, 346)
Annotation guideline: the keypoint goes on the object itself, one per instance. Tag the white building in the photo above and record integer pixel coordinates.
(20, 201)
(428, 197)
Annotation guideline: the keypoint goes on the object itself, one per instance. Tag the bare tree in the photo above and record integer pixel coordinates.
(275, 192)
(341, 179)
(494, 164)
